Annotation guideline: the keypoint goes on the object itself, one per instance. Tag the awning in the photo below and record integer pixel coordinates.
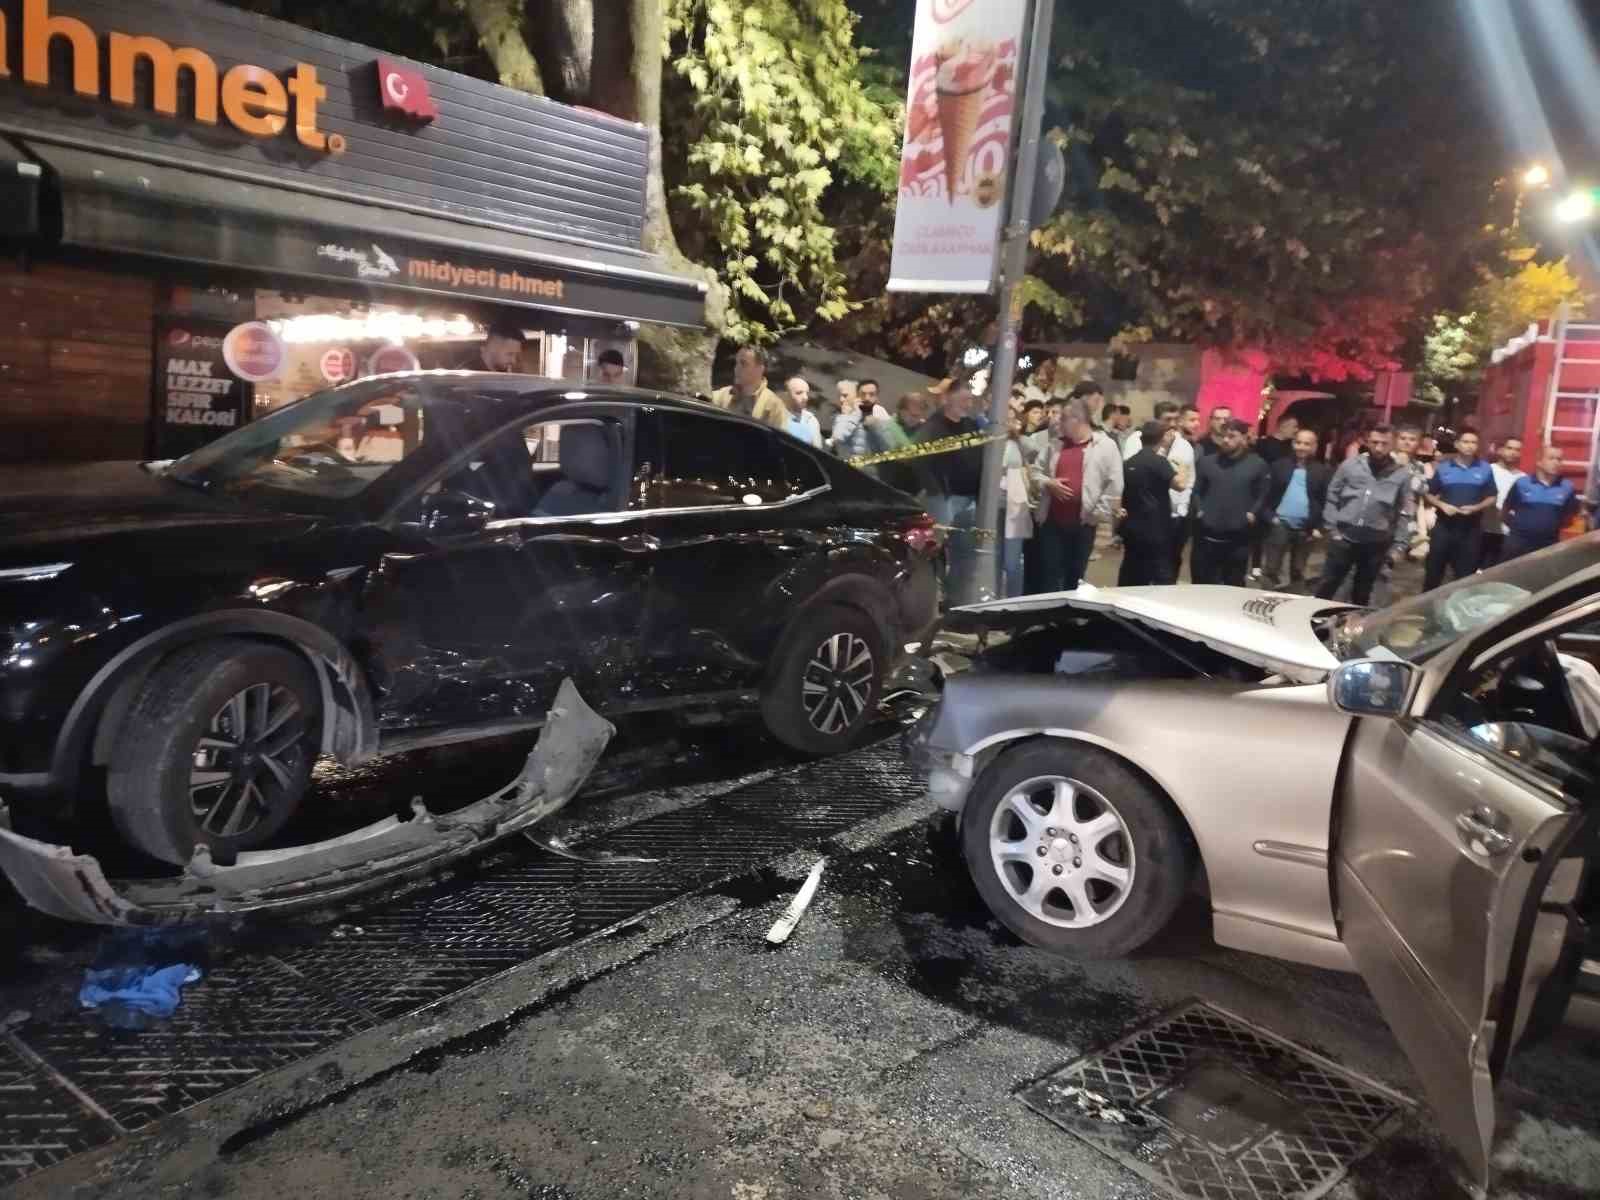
(126, 206)
(20, 178)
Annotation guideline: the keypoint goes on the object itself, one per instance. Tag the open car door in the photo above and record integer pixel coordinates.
(1464, 834)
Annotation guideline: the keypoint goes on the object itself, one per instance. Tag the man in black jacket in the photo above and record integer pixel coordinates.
(1294, 511)
(1229, 493)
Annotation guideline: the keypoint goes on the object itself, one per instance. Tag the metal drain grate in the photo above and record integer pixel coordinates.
(1208, 1107)
(40, 1122)
(287, 999)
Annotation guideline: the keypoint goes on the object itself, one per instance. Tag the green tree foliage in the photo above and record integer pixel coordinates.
(1451, 356)
(1516, 293)
(1296, 176)
(1505, 303)
(768, 112)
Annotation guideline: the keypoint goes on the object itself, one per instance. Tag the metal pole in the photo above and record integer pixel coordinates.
(984, 583)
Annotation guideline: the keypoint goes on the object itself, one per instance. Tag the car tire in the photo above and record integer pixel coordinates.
(181, 773)
(1122, 825)
(825, 681)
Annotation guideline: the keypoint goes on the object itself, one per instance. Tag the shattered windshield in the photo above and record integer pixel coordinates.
(1418, 628)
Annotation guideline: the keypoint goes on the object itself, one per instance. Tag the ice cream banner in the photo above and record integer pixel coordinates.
(957, 154)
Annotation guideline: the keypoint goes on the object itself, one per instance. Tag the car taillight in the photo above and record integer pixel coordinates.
(922, 534)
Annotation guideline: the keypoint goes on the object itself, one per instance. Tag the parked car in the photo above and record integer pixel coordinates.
(423, 558)
(1412, 793)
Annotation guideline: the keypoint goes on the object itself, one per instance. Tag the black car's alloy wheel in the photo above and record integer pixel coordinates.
(838, 683)
(825, 680)
(246, 763)
(218, 748)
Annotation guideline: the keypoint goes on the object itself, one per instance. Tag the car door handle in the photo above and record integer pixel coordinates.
(1482, 829)
(639, 543)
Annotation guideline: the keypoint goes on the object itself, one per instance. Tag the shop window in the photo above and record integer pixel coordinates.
(688, 461)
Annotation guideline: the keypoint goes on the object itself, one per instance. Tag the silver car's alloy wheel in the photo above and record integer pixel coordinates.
(1062, 852)
(838, 683)
(244, 763)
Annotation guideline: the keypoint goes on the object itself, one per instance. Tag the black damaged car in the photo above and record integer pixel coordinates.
(418, 559)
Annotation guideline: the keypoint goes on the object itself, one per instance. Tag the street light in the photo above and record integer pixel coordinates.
(1531, 180)
(1576, 208)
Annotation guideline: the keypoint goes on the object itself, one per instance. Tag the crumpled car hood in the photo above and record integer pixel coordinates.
(1269, 630)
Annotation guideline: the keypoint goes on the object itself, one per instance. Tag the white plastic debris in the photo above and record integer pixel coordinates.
(779, 933)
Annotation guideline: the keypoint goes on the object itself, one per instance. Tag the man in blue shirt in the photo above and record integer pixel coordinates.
(1461, 489)
(1537, 506)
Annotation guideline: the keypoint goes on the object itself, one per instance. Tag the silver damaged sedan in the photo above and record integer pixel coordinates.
(1410, 793)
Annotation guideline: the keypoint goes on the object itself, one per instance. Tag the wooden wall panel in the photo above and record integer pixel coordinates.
(75, 363)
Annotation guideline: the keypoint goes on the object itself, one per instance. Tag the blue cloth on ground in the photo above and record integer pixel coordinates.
(154, 991)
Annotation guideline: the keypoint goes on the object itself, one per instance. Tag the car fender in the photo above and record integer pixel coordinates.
(1250, 769)
(860, 592)
(349, 730)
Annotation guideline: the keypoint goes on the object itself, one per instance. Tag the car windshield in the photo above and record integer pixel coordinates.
(1418, 628)
(334, 445)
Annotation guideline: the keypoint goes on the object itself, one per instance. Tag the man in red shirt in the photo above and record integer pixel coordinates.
(1080, 480)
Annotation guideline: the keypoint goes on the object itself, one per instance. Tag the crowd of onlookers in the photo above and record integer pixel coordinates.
(1243, 506)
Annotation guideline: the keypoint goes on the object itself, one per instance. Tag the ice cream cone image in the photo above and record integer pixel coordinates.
(965, 70)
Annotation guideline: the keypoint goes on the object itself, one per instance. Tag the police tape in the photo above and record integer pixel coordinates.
(972, 531)
(948, 445)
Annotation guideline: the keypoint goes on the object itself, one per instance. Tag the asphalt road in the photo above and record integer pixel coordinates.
(877, 1054)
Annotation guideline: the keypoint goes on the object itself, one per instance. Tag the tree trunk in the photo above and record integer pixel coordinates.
(671, 359)
(607, 54)
(498, 24)
(570, 47)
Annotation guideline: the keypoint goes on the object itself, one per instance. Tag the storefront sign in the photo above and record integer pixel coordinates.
(338, 364)
(467, 275)
(404, 91)
(198, 399)
(483, 279)
(391, 359)
(956, 161)
(253, 100)
(206, 87)
(253, 351)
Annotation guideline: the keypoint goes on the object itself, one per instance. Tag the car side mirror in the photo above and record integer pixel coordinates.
(456, 512)
(1373, 687)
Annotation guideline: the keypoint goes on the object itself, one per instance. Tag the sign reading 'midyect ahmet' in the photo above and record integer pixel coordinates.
(251, 99)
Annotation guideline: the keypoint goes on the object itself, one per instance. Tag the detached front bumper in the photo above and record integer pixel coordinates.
(72, 886)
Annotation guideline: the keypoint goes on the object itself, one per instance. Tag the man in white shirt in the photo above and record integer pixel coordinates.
(801, 423)
(1181, 454)
(1508, 458)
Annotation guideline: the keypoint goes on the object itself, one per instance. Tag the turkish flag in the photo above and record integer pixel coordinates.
(406, 91)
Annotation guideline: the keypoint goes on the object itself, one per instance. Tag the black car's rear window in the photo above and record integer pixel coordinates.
(699, 462)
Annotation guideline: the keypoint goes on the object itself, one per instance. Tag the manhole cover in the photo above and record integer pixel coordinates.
(1208, 1107)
